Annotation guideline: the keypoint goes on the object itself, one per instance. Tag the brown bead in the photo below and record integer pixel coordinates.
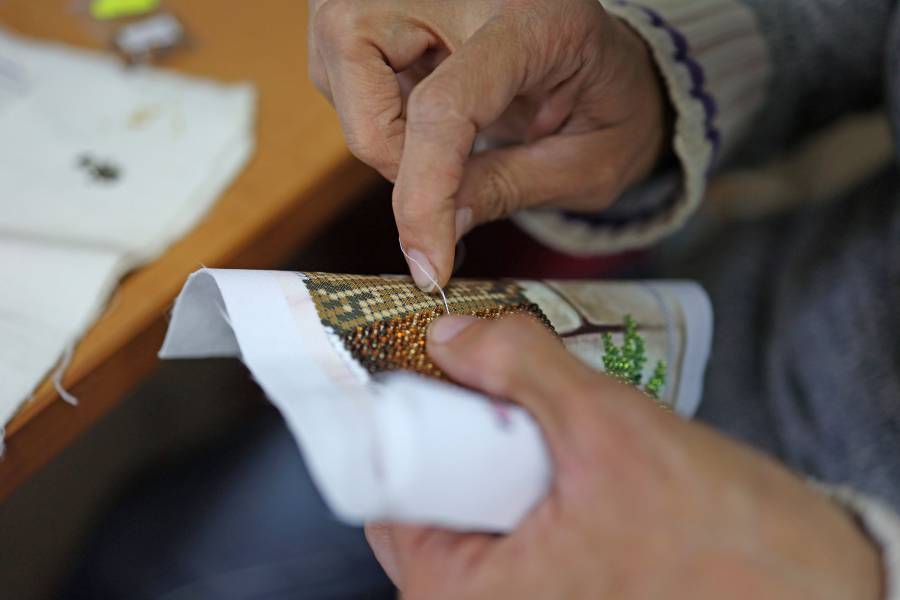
(400, 343)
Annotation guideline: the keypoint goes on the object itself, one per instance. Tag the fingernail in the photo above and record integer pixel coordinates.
(463, 221)
(446, 328)
(421, 270)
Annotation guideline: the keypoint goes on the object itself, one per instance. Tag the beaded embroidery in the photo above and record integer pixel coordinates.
(383, 322)
(399, 343)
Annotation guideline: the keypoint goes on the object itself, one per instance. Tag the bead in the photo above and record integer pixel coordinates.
(400, 343)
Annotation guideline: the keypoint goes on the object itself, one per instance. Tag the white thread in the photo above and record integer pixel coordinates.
(60, 371)
(427, 274)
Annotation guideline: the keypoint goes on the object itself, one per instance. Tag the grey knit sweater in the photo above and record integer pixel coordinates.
(806, 360)
(808, 352)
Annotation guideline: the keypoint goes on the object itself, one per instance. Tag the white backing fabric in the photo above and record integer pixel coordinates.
(102, 167)
(402, 447)
(40, 313)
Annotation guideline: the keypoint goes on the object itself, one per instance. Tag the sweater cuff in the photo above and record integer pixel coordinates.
(883, 527)
(716, 67)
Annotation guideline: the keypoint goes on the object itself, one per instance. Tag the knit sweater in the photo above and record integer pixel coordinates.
(806, 360)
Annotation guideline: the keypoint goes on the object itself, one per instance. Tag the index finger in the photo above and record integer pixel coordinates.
(363, 45)
(467, 92)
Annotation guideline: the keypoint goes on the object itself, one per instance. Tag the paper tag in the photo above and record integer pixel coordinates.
(160, 32)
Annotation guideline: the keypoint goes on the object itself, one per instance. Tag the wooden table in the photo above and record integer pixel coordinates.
(300, 177)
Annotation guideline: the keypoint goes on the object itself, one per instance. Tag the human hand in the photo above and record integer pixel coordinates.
(643, 505)
(570, 90)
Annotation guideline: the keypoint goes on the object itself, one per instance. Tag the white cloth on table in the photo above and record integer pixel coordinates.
(101, 168)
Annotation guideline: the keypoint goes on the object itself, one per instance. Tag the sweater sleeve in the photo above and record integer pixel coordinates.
(745, 77)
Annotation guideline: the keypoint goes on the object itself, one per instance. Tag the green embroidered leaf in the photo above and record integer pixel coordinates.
(657, 380)
(627, 362)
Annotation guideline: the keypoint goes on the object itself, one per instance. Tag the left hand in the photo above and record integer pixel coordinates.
(570, 91)
(644, 504)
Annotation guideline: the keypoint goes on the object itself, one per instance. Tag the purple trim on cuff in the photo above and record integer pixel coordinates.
(609, 219)
(698, 77)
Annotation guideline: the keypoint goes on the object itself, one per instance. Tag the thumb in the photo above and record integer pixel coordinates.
(564, 170)
(515, 358)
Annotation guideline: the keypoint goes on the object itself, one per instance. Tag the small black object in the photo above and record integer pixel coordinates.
(99, 170)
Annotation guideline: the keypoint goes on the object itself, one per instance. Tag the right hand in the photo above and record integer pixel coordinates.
(571, 91)
(642, 505)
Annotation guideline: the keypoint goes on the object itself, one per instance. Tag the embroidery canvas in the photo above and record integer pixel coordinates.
(334, 353)
(383, 322)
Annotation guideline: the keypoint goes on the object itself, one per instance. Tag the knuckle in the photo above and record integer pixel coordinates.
(498, 195)
(376, 141)
(501, 351)
(410, 213)
(359, 142)
(498, 351)
(365, 144)
(431, 102)
(318, 77)
(335, 20)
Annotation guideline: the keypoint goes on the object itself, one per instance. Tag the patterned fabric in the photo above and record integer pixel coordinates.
(399, 344)
(383, 322)
(345, 302)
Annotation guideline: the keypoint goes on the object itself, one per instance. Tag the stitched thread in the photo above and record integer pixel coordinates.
(427, 274)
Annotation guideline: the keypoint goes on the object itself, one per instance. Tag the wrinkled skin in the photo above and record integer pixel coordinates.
(644, 504)
(570, 92)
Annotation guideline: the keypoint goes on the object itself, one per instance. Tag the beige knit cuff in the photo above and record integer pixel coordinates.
(716, 67)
